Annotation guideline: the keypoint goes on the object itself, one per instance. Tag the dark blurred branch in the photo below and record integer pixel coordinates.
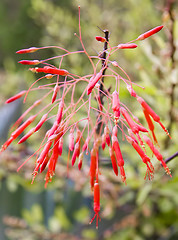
(171, 157)
(101, 95)
(169, 9)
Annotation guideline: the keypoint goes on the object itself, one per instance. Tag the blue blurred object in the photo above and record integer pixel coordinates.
(9, 113)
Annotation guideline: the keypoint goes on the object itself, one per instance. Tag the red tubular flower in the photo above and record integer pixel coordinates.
(35, 171)
(114, 131)
(29, 62)
(127, 45)
(103, 143)
(93, 81)
(150, 125)
(20, 129)
(144, 157)
(24, 138)
(44, 163)
(55, 154)
(17, 96)
(129, 120)
(60, 110)
(120, 160)
(78, 140)
(46, 69)
(44, 156)
(27, 50)
(150, 111)
(100, 103)
(116, 105)
(96, 203)
(6, 144)
(100, 39)
(71, 139)
(80, 160)
(60, 147)
(44, 152)
(60, 130)
(52, 130)
(78, 135)
(52, 161)
(76, 152)
(157, 154)
(149, 33)
(113, 160)
(132, 135)
(141, 128)
(41, 122)
(56, 88)
(107, 136)
(42, 160)
(136, 128)
(131, 91)
(92, 167)
(85, 145)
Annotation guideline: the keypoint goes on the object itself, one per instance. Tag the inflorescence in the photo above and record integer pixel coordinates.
(87, 135)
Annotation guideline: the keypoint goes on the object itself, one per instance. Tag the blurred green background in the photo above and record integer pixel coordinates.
(140, 210)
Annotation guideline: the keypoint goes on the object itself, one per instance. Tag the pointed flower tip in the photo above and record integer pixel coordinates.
(88, 91)
(17, 96)
(27, 50)
(100, 39)
(29, 62)
(164, 128)
(150, 33)
(1, 149)
(168, 172)
(127, 46)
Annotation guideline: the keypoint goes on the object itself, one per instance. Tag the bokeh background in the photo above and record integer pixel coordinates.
(141, 209)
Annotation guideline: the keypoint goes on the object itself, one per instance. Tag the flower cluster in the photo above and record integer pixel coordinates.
(92, 132)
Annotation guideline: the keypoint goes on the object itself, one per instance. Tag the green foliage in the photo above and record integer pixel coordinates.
(59, 220)
(33, 216)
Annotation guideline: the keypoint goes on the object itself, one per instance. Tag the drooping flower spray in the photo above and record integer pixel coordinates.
(93, 132)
